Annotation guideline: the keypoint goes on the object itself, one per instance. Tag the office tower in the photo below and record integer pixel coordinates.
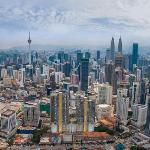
(29, 42)
(139, 115)
(134, 54)
(61, 56)
(84, 73)
(119, 60)
(79, 57)
(142, 92)
(15, 58)
(87, 55)
(122, 105)
(66, 57)
(126, 61)
(104, 92)
(67, 69)
(112, 48)
(31, 114)
(59, 111)
(98, 54)
(120, 45)
(108, 55)
(135, 93)
(109, 73)
(29, 71)
(138, 74)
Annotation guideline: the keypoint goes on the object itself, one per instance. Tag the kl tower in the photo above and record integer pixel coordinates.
(29, 42)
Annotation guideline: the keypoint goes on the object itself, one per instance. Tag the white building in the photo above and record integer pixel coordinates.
(58, 76)
(139, 115)
(46, 70)
(8, 123)
(122, 105)
(104, 93)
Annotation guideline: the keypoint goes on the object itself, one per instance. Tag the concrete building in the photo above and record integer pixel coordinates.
(104, 111)
(139, 115)
(104, 92)
(135, 93)
(31, 114)
(122, 105)
(59, 111)
(8, 123)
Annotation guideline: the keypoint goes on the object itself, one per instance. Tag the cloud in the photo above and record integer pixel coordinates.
(63, 18)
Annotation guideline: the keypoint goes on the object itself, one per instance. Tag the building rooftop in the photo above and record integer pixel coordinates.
(8, 113)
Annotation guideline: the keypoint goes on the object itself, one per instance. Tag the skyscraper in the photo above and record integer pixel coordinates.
(135, 54)
(29, 42)
(112, 48)
(147, 127)
(120, 45)
(98, 55)
(122, 105)
(31, 114)
(59, 111)
(84, 72)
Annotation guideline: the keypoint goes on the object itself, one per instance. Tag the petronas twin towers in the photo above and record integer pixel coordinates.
(112, 48)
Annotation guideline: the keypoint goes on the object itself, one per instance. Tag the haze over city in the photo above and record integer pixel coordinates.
(74, 22)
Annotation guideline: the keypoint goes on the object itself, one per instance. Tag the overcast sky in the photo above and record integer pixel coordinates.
(74, 22)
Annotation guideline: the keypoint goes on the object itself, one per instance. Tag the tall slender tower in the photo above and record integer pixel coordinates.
(29, 42)
(120, 45)
(112, 49)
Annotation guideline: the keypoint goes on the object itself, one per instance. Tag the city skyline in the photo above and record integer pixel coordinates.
(74, 23)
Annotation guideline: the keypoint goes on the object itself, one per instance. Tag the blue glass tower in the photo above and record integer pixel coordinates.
(84, 72)
(135, 54)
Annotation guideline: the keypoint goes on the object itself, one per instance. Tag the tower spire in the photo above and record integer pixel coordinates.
(29, 42)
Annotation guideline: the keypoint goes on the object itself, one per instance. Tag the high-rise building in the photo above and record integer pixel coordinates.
(122, 105)
(84, 73)
(108, 55)
(135, 54)
(109, 73)
(98, 54)
(85, 114)
(31, 114)
(135, 93)
(59, 111)
(119, 60)
(120, 45)
(87, 55)
(8, 123)
(139, 115)
(104, 92)
(79, 57)
(147, 126)
(67, 69)
(112, 48)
